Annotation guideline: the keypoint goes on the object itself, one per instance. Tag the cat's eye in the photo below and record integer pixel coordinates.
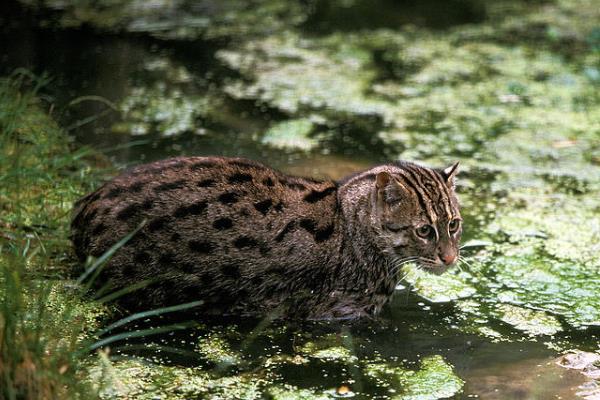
(425, 231)
(454, 225)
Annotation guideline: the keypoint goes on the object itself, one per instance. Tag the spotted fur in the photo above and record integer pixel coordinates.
(247, 239)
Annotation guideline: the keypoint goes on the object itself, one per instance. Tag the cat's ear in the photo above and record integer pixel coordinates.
(388, 187)
(449, 174)
(382, 180)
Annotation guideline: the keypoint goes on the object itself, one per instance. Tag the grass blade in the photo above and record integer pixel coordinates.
(149, 313)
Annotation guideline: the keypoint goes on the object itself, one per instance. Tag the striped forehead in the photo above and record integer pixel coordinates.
(428, 186)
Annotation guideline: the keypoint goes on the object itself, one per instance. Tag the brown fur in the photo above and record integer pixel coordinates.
(247, 239)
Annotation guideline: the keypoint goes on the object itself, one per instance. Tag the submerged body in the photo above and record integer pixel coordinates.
(246, 239)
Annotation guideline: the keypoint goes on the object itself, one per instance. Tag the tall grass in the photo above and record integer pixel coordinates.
(43, 325)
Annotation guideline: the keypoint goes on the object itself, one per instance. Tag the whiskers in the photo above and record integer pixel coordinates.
(462, 261)
(398, 263)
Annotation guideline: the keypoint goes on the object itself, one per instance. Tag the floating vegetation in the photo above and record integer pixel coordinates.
(291, 134)
(434, 380)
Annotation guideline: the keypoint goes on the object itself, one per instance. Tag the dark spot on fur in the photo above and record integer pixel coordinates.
(231, 271)
(164, 187)
(316, 195)
(175, 237)
(308, 225)
(290, 226)
(222, 223)
(138, 238)
(129, 269)
(147, 204)
(240, 177)
(207, 183)
(158, 223)
(241, 294)
(228, 198)
(278, 270)
(324, 233)
(202, 164)
(90, 216)
(264, 249)
(268, 182)
(192, 209)
(256, 280)
(318, 234)
(263, 206)
(166, 258)
(114, 192)
(245, 241)
(128, 212)
(206, 278)
(142, 257)
(98, 229)
(137, 187)
(293, 185)
(201, 246)
(186, 267)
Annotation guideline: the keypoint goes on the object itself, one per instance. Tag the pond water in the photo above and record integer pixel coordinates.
(329, 88)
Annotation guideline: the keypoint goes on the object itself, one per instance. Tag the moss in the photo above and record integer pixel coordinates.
(434, 380)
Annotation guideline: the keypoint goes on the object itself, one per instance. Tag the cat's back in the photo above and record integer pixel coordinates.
(215, 219)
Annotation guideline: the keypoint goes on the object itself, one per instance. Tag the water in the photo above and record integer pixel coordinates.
(111, 66)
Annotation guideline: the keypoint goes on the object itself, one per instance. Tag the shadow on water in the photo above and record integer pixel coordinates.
(353, 15)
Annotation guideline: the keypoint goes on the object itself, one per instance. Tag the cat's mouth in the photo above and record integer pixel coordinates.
(435, 269)
(433, 266)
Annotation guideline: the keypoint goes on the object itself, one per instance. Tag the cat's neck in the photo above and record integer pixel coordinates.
(363, 264)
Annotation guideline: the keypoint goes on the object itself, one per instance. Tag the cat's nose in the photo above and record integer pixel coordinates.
(448, 259)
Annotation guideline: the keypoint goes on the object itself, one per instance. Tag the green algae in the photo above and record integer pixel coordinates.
(277, 68)
(178, 20)
(328, 348)
(530, 321)
(165, 102)
(160, 110)
(216, 349)
(438, 288)
(289, 392)
(291, 134)
(434, 380)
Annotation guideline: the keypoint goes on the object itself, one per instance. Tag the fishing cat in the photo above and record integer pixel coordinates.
(247, 239)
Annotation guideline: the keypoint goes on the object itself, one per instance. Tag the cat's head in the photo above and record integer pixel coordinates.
(417, 215)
